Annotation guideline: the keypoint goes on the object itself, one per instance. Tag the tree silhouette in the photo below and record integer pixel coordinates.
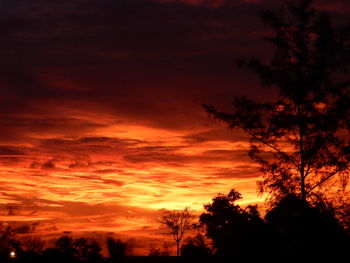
(117, 249)
(65, 245)
(33, 244)
(178, 222)
(67, 249)
(195, 247)
(32, 249)
(8, 241)
(302, 230)
(159, 252)
(63, 251)
(300, 139)
(88, 250)
(234, 231)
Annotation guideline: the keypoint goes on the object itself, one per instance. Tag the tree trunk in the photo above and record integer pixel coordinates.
(302, 186)
(302, 153)
(178, 248)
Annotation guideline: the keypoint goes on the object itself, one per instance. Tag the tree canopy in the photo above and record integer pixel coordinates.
(232, 229)
(301, 139)
(304, 230)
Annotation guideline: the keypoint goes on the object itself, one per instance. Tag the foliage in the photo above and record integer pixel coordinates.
(304, 230)
(195, 247)
(232, 229)
(300, 139)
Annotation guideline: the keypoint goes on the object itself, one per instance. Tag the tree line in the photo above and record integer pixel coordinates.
(290, 229)
(14, 248)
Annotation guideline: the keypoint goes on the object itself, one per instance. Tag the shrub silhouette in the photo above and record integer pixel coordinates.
(195, 247)
(117, 250)
(158, 252)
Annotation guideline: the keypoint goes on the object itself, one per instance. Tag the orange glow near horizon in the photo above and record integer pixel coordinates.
(116, 178)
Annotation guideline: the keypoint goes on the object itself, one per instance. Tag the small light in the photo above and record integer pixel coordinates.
(12, 254)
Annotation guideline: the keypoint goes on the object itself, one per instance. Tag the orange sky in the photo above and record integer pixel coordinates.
(115, 178)
(100, 109)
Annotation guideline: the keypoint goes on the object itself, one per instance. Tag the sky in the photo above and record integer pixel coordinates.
(100, 109)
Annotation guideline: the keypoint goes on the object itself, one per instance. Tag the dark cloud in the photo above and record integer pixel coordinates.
(216, 135)
(88, 145)
(18, 128)
(10, 161)
(102, 171)
(178, 159)
(48, 165)
(113, 182)
(238, 172)
(4, 150)
(123, 55)
(151, 62)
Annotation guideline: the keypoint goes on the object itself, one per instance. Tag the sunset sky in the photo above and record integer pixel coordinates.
(100, 109)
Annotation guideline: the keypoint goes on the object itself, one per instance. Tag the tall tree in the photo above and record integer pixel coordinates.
(178, 222)
(300, 139)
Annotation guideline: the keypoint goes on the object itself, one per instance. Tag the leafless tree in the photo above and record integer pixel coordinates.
(178, 222)
(34, 244)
